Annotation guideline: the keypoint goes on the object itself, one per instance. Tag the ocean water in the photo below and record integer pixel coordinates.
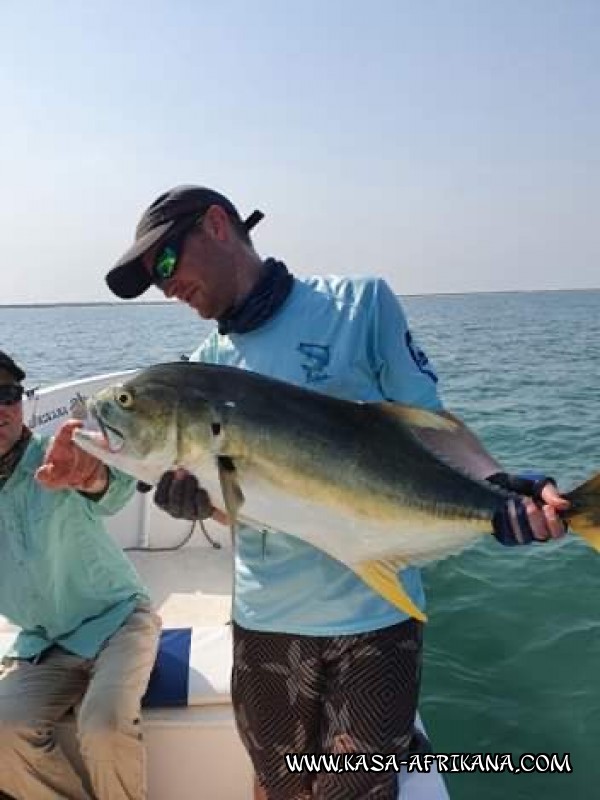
(512, 652)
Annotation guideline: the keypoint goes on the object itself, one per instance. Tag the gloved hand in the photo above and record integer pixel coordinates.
(66, 466)
(522, 520)
(181, 496)
(531, 484)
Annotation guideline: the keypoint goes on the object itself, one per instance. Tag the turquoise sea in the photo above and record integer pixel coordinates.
(512, 656)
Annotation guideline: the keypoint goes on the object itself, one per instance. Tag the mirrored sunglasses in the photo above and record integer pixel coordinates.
(168, 257)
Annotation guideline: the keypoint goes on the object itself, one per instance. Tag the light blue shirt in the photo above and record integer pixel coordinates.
(347, 338)
(63, 580)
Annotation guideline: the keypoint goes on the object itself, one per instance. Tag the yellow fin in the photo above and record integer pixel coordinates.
(584, 516)
(382, 577)
(419, 417)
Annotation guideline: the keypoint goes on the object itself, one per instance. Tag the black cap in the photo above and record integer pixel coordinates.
(129, 278)
(8, 365)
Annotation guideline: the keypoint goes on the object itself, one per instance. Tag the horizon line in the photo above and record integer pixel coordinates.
(89, 303)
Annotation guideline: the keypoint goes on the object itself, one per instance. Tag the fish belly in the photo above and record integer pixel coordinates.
(413, 536)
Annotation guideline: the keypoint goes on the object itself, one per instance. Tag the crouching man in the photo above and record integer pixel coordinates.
(88, 634)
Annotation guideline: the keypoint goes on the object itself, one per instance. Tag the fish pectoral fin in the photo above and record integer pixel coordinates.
(382, 577)
(220, 443)
(419, 417)
(584, 515)
(233, 497)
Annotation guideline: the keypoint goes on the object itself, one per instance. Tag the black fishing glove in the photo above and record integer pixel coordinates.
(531, 484)
(182, 498)
(511, 523)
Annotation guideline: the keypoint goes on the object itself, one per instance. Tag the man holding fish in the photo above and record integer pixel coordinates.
(327, 621)
(88, 635)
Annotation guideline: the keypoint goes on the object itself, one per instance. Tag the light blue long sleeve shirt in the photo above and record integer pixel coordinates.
(348, 338)
(63, 580)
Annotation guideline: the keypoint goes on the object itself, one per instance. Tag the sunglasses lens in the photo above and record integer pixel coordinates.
(9, 395)
(165, 265)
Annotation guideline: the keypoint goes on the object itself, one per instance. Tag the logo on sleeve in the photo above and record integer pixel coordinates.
(316, 360)
(419, 357)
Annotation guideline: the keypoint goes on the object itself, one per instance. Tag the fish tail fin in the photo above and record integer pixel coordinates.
(584, 514)
(381, 576)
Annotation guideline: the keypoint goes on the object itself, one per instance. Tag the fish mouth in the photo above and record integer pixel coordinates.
(113, 439)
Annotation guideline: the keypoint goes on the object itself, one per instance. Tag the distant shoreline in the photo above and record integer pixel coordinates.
(90, 304)
(124, 303)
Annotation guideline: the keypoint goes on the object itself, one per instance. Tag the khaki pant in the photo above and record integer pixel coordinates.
(33, 697)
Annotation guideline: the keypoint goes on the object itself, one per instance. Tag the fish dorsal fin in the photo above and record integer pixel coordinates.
(382, 577)
(418, 417)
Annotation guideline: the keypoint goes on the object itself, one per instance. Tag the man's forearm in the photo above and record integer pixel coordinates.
(119, 489)
(520, 520)
(97, 489)
(460, 448)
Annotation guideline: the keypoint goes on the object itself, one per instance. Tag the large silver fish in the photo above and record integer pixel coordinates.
(351, 479)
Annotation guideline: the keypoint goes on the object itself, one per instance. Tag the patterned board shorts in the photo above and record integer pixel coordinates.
(319, 694)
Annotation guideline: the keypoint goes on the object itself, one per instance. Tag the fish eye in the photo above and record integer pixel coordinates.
(124, 398)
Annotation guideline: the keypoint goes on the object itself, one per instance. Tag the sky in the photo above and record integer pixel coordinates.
(446, 145)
